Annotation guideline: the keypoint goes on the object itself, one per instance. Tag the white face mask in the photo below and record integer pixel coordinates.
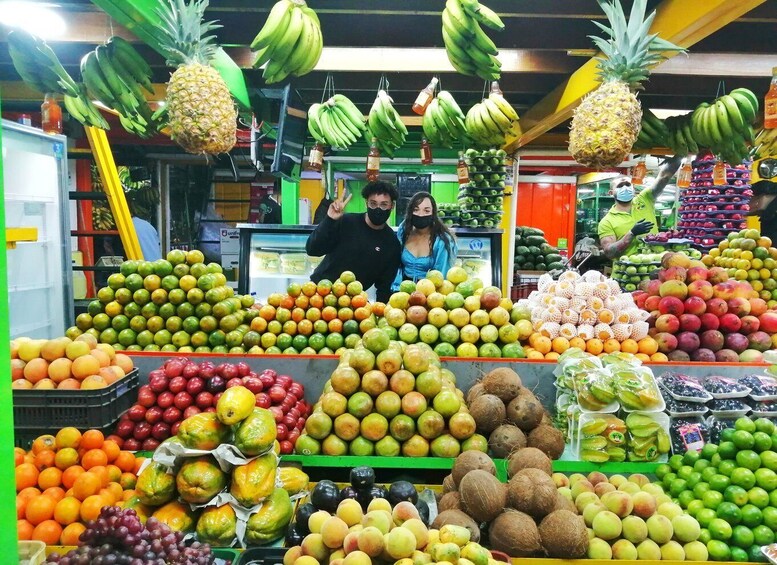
(625, 193)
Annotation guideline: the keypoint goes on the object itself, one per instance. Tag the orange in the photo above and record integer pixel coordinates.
(48, 532)
(29, 492)
(18, 455)
(21, 507)
(26, 476)
(51, 477)
(47, 441)
(68, 437)
(45, 459)
(612, 345)
(560, 345)
(577, 342)
(659, 357)
(128, 480)
(648, 345)
(101, 472)
(30, 457)
(115, 489)
(111, 449)
(68, 510)
(359, 301)
(542, 344)
(114, 473)
(39, 509)
(630, 346)
(128, 494)
(93, 458)
(534, 354)
(91, 506)
(594, 346)
(70, 475)
(57, 493)
(66, 457)
(125, 461)
(92, 439)
(642, 357)
(71, 533)
(138, 463)
(552, 356)
(107, 495)
(24, 530)
(87, 484)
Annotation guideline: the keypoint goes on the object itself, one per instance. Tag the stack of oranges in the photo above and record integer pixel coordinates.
(64, 481)
(543, 347)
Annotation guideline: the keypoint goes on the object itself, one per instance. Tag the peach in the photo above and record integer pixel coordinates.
(351, 542)
(603, 488)
(370, 541)
(660, 528)
(618, 502)
(421, 532)
(595, 477)
(580, 487)
(639, 479)
(634, 529)
(333, 532)
(644, 504)
(584, 499)
(560, 480)
(36, 369)
(403, 512)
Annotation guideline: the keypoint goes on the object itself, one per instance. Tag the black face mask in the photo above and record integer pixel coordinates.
(378, 216)
(421, 222)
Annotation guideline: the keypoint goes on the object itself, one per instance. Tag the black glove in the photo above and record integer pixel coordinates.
(642, 227)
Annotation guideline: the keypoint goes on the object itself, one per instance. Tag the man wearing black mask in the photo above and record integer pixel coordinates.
(362, 243)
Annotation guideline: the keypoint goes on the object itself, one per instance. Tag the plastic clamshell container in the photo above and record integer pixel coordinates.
(588, 417)
(763, 397)
(692, 382)
(728, 414)
(649, 380)
(31, 552)
(741, 393)
(701, 413)
(663, 420)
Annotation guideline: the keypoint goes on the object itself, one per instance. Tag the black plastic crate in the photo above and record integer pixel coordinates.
(83, 409)
(262, 556)
(24, 438)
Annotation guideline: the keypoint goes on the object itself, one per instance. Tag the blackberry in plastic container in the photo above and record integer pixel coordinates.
(683, 407)
(760, 385)
(763, 405)
(729, 405)
(717, 385)
(683, 385)
(686, 431)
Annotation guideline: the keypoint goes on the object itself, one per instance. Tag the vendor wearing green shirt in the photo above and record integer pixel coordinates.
(631, 217)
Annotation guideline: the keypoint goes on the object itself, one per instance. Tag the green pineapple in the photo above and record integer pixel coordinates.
(606, 123)
(200, 111)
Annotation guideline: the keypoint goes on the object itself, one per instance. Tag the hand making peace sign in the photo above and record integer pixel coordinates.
(337, 208)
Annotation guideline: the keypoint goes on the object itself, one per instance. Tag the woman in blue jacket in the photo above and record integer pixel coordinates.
(427, 243)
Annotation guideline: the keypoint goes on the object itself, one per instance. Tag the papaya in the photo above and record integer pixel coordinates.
(254, 481)
(294, 480)
(199, 479)
(178, 517)
(203, 431)
(217, 525)
(235, 405)
(256, 433)
(271, 520)
(155, 486)
(143, 511)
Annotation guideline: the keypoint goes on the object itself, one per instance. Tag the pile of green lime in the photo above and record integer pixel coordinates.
(731, 489)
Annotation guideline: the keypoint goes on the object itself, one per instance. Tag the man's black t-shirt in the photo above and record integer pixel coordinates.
(351, 245)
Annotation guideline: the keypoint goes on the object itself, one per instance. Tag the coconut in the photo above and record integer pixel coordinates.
(471, 461)
(515, 534)
(564, 535)
(488, 412)
(474, 392)
(528, 457)
(457, 518)
(546, 419)
(502, 382)
(547, 439)
(482, 495)
(448, 484)
(449, 501)
(525, 411)
(506, 439)
(533, 492)
(563, 503)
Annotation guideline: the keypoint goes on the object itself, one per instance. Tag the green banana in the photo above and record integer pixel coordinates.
(455, 33)
(503, 122)
(318, 46)
(504, 106)
(351, 110)
(285, 44)
(305, 44)
(745, 105)
(722, 118)
(344, 126)
(734, 115)
(752, 98)
(95, 82)
(483, 42)
(463, 22)
(130, 59)
(314, 126)
(711, 122)
(273, 29)
(489, 18)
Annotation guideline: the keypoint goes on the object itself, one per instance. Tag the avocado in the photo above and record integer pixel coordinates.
(304, 512)
(294, 535)
(325, 496)
(402, 490)
(362, 477)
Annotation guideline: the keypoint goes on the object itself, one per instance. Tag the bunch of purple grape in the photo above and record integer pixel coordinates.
(118, 537)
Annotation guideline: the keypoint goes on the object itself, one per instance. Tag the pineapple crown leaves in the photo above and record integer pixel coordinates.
(630, 50)
(185, 37)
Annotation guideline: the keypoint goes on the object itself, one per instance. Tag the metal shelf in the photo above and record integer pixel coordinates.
(82, 195)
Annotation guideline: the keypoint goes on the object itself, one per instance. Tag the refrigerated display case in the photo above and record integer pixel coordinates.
(40, 276)
(273, 256)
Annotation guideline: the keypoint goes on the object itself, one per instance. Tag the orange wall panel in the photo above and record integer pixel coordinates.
(549, 207)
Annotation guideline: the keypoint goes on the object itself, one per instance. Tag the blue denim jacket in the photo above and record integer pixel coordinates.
(415, 268)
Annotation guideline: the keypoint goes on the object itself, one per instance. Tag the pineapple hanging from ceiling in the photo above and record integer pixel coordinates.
(606, 124)
(200, 111)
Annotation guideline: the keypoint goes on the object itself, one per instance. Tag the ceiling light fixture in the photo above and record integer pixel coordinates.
(37, 18)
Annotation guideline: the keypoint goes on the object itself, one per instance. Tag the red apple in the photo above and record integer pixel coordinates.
(263, 401)
(158, 383)
(173, 368)
(216, 398)
(172, 415)
(146, 396)
(277, 394)
(254, 384)
(150, 444)
(216, 384)
(137, 413)
(174, 427)
(207, 370)
(154, 415)
(289, 421)
(210, 409)
(227, 370)
(204, 400)
(243, 369)
(281, 432)
(234, 381)
(297, 390)
(283, 381)
(177, 384)
(191, 370)
(277, 413)
(287, 447)
(267, 379)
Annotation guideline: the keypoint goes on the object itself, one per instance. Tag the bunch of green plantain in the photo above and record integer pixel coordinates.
(490, 121)
(766, 143)
(444, 122)
(336, 122)
(384, 124)
(114, 74)
(469, 49)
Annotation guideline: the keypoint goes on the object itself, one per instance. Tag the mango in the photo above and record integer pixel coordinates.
(235, 405)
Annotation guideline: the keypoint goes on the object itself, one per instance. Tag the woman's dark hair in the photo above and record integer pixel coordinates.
(438, 229)
(380, 187)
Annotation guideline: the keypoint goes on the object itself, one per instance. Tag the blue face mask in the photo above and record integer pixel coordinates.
(624, 193)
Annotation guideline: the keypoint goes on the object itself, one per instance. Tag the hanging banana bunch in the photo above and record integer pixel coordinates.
(336, 122)
(725, 125)
(290, 42)
(384, 124)
(490, 122)
(469, 49)
(766, 143)
(443, 121)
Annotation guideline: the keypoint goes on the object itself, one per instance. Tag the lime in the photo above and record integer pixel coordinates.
(145, 268)
(763, 535)
(751, 515)
(739, 555)
(334, 341)
(762, 441)
(708, 451)
(743, 440)
(668, 478)
(727, 467)
(729, 512)
(685, 471)
(662, 470)
(745, 424)
(121, 322)
(162, 267)
(755, 554)
(217, 338)
(675, 462)
(726, 434)
(166, 310)
(677, 486)
(128, 267)
(141, 296)
(768, 458)
(748, 459)
(686, 497)
(317, 341)
(704, 536)
(109, 336)
(718, 550)
(743, 478)
(770, 517)
(727, 450)
(708, 473)
(715, 460)
(200, 339)
(173, 324)
(223, 349)
(764, 478)
(152, 347)
(694, 506)
(742, 536)
(163, 337)
(127, 337)
(735, 494)
(720, 529)
(705, 516)
(712, 499)
(691, 457)
(719, 482)
(700, 489)
(693, 479)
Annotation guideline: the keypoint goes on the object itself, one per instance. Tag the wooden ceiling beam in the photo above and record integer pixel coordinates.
(678, 21)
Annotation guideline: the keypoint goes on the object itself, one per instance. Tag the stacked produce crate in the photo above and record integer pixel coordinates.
(709, 212)
(450, 214)
(481, 200)
(533, 252)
